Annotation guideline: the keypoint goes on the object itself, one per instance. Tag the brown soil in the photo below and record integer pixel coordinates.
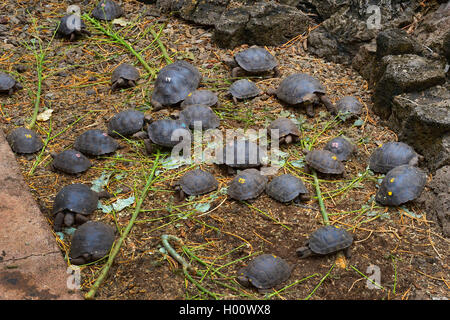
(408, 248)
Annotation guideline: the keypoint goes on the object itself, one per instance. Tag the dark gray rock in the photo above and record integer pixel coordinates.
(394, 42)
(436, 199)
(404, 73)
(263, 23)
(422, 120)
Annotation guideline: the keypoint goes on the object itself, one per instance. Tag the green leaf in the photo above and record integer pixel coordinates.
(358, 123)
(202, 207)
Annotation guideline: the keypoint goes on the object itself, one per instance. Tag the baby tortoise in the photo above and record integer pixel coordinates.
(253, 61)
(107, 10)
(195, 182)
(287, 188)
(126, 123)
(324, 161)
(24, 141)
(73, 203)
(70, 161)
(302, 89)
(95, 142)
(243, 89)
(392, 154)
(198, 114)
(248, 184)
(326, 240)
(400, 185)
(91, 242)
(124, 76)
(71, 26)
(167, 133)
(287, 130)
(349, 107)
(264, 272)
(174, 83)
(8, 85)
(203, 97)
(241, 154)
(341, 147)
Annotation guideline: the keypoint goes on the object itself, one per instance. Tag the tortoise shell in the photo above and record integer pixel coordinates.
(201, 114)
(174, 83)
(95, 142)
(248, 184)
(329, 239)
(23, 140)
(7, 83)
(255, 60)
(391, 155)
(71, 161)
(324, 161)
(349, 106)
(241, 154)
(196, 182)
(126, 123)
(161, 132)
(286, 188)
(294, 88)
(76, 198)
(206, 98)
(341, 147)
(285, 127)
(244, 89)
(264, 272)
(401, 184)
(125, 71)
(92, 239)
(107, 10)
(70, 23)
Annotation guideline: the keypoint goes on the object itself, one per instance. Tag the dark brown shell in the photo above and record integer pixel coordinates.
(244, 89)
(341, 147)
(107, 10)
(94, 238)
(160, 131)
(71, 161)
(390, 155)
(196, 182)
(265, 271)
(285, 127)
(203, 97)
(256, 59)
(285, 188)
(76, 198)
(349, 106)
(329, 239)
(401, 184)
(95, 142)
(241, 154)
(248, 184)
(324, 161)
(126, 123)
(293, 89)
(23, 140)
(125, 71)
(199, 113)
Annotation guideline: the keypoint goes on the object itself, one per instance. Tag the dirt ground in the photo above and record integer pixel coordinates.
(401, 245)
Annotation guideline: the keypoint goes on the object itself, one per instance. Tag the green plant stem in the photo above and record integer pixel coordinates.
(160, 44)
(117, 38)
(118, 244)
(319, 198)
(320, 282)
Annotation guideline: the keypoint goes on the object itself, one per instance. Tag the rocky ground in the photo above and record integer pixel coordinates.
(219, 235)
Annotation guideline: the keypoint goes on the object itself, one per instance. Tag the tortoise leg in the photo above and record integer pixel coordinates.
(310, 110)
(68, 219)
(328, 104)
(80, 219)
(288, 139)
(58, 222)
(72, 36)
(156, 105)
(276, 72)
(235, 72)
(148, 146)
(235, 100)
(131, 83)
(304, 251)
(78, 261)
(119, 83)
(348, 252)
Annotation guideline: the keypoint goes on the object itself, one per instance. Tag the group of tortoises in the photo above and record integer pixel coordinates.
(177, 85)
